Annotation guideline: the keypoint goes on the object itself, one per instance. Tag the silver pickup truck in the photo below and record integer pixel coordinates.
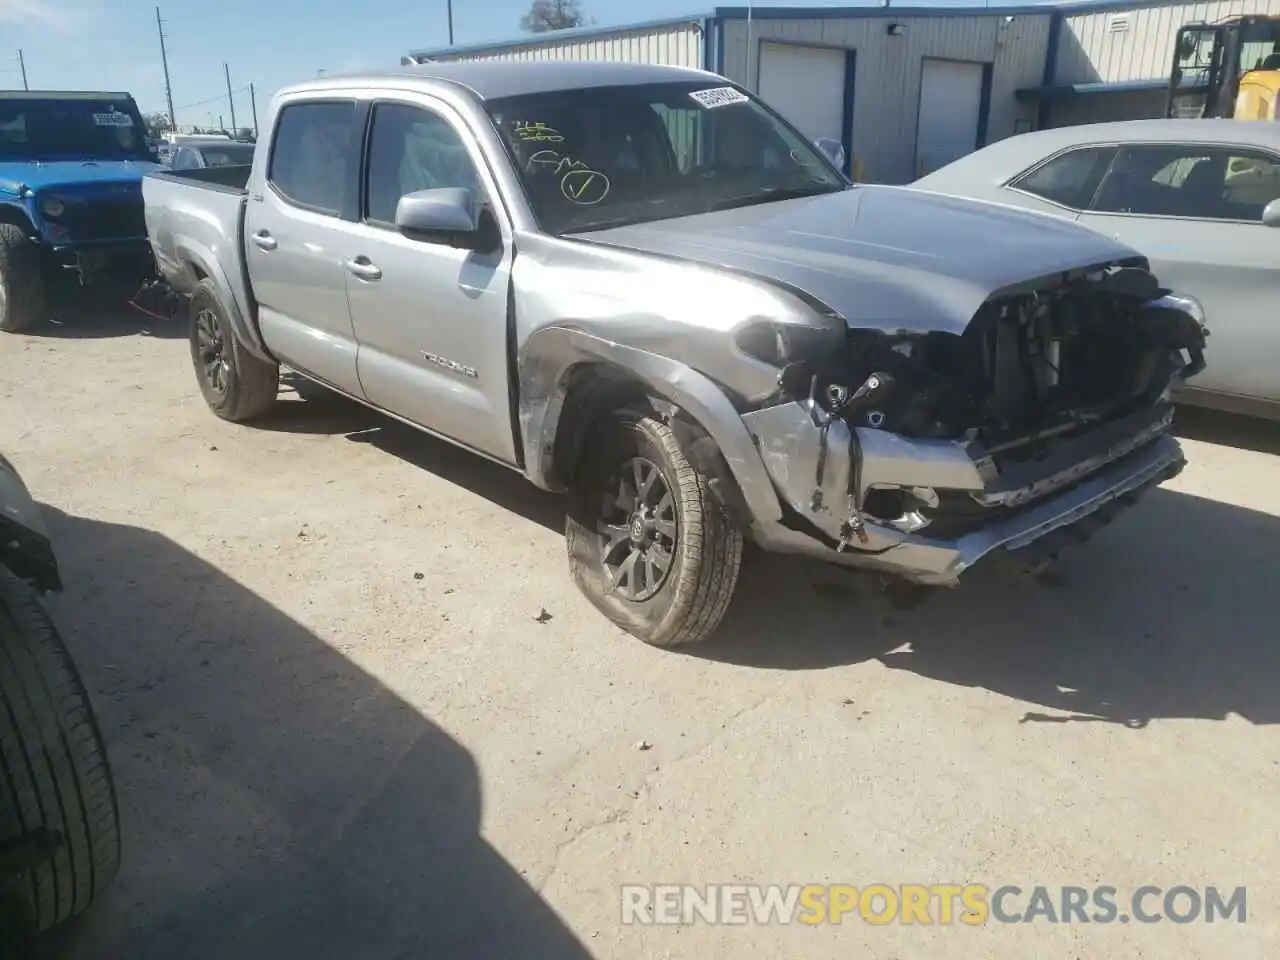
(640, 285)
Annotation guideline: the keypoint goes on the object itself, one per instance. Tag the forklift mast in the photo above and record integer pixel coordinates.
(1226, 69)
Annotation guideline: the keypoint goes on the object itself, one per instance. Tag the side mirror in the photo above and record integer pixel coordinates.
(1271, 213)
(834, 151)
(436, 214)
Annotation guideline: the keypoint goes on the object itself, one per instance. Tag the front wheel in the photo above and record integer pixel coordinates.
(22, 290)
(236, 385)
(59, 822)
(649, 544)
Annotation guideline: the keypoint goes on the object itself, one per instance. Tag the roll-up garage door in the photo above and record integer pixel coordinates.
(950, 112)
(805, 85)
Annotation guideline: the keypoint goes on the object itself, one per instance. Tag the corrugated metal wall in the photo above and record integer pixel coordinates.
(1117, 45)
(887, 88)
(678, 45)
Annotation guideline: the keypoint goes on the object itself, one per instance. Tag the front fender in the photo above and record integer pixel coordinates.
(21, 212)
(546, 363)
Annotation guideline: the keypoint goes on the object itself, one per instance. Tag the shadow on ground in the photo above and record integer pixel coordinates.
(1170, 612)
(277, 801)
(325, 412)
(1228, 430)
(90, 316)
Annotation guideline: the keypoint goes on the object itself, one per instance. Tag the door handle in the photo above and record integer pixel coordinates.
(363, 268)
(265, 240)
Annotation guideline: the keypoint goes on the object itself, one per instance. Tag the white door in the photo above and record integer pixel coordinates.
(805, 85)
(950, 109)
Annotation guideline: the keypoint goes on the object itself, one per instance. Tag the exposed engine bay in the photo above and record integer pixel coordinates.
(952, 432)
(1031, 364)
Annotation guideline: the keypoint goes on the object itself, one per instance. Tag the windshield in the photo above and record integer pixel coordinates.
(608, 156)
(71, 129)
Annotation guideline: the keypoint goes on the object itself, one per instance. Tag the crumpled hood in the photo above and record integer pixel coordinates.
(884, 257)
(39, 175)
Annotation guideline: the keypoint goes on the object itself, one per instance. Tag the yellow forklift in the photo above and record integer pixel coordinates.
(1226, 69)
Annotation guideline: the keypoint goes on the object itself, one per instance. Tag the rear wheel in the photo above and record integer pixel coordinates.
(22, 291)
(59, 822)
(236, 385)
(649, 544)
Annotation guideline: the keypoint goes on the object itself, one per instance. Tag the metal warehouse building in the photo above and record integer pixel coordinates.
(908, 89)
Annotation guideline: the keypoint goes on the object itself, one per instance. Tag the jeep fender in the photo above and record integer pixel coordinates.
(546, 364)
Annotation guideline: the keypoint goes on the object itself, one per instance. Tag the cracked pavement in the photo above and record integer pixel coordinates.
(341, 728)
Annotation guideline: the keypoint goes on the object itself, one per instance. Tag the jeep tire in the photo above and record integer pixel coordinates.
(22, 289)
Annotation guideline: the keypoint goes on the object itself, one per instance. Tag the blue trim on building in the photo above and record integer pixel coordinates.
(1050, 64)
(719, 68)
(846, 118)
(1069, 91)
(717, 16)
(853, 13)
(984, 105)
(708, 43)
(1068, 7)
(534, 39)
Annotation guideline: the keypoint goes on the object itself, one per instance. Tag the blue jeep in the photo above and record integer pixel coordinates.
(71, 167)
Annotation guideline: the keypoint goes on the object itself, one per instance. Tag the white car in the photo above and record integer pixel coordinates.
(1197, 197)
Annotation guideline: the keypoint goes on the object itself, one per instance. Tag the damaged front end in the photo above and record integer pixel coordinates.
(919, 453)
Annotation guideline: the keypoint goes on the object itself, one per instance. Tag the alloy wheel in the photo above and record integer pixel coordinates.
(638, 530)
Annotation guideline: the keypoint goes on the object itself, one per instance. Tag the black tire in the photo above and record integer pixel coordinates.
(22, 293)
(236, 385)
(686, 602)
(54, 772)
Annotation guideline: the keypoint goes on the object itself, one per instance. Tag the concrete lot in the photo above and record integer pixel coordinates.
(340, 730)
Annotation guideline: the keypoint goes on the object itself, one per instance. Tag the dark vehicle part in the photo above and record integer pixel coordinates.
(649, 543)
(22, 296)
(71, 166)
(236, 385)
(59, 819)
(1029, 366)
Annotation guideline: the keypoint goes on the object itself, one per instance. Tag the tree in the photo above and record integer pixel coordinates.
(547, 15)
(157, 123)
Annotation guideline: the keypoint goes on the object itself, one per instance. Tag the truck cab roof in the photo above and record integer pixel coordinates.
(494, 79)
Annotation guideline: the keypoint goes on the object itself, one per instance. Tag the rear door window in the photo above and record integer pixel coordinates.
(1069, 179)
(312, 154)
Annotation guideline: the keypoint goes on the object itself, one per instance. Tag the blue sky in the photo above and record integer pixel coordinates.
(112, 44)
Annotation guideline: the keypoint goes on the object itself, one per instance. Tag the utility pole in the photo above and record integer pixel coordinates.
(164, 60)
(449, 8)
(22, 65)
(253, 102)
(230, 99)
(222, 127)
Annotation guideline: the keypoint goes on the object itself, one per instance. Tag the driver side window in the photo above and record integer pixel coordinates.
(1189, 180)
(413, 149)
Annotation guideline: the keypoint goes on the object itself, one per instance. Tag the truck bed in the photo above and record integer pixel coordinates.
(194, 223)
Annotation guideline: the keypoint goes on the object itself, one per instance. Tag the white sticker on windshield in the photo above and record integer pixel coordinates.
(719, 97)
(112, 119)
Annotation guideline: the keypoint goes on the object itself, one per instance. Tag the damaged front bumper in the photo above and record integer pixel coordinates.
(1032, 508)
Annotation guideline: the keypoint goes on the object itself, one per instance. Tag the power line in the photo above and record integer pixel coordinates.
(220, 97)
